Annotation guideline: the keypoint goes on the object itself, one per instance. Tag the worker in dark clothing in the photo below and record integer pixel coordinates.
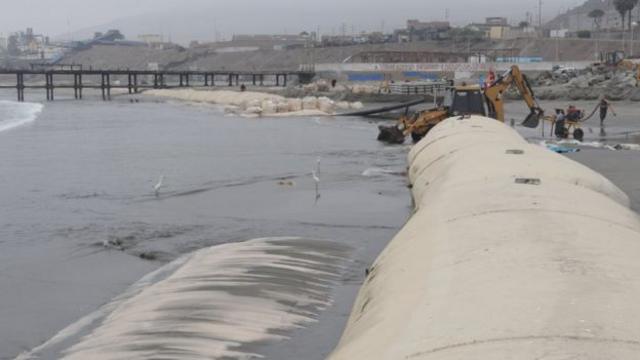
(604, 107)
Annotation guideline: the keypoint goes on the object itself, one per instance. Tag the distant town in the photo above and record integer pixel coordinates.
(585, 22)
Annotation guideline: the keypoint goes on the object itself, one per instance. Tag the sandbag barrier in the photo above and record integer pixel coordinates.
(513, 252)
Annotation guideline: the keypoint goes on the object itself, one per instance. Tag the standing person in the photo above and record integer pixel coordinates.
(605, 105)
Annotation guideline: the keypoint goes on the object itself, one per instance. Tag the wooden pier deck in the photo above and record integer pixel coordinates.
(136, 80)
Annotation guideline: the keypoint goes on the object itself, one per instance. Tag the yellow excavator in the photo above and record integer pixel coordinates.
(467, 100)
(618, 60)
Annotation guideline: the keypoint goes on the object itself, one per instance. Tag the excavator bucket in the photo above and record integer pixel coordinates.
(390, 134)
(532, 120)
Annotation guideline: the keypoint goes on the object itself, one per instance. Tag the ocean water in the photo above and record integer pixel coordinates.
(80, 222)
(15, 114)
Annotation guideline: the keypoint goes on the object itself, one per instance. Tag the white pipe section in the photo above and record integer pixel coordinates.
(514, 252)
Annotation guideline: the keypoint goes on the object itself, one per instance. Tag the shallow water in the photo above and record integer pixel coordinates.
(80, 221)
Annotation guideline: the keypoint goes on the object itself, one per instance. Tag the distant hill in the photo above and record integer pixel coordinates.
(577, 18)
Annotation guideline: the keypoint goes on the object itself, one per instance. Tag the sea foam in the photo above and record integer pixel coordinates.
(14, 114)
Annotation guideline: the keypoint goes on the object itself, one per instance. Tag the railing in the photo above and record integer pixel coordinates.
(420, 88)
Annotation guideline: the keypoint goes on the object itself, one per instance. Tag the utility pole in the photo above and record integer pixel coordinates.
(540, 14)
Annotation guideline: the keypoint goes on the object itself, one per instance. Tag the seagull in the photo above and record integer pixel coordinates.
(316, 179)
(158, 186)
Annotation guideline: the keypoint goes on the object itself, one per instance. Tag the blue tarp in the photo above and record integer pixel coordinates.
(366, 76)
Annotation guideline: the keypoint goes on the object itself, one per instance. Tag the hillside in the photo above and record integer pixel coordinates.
(212, 58)
(577, 18)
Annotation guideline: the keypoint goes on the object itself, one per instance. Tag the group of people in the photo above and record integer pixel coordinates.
(574, 114)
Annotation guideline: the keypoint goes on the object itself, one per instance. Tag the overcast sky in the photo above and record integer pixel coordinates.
(61, 17)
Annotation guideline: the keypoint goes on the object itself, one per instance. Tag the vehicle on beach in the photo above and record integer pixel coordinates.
(467, 100)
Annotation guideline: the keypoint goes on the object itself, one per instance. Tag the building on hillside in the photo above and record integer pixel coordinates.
(151, 39)
(274, 41)
(27, 45)
(431, 30)
(562, 33)
(496, 21)
(407, 57)
(358, 39)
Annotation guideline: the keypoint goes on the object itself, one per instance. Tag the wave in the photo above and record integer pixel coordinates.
(593, 144)
(376, 171)
(214, 303)
(14, 114)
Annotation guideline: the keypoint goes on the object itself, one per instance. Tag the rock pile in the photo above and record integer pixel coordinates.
(587, 84)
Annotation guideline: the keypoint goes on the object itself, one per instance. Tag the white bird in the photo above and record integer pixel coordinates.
(316, 179)
(158, 186)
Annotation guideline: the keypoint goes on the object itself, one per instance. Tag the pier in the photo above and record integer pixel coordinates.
(136, 80)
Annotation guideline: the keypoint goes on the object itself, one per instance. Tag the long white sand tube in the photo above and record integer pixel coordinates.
(513, 252)
(220, 303)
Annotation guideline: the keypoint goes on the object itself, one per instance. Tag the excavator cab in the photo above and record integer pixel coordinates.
(613, 58)
(468, 100)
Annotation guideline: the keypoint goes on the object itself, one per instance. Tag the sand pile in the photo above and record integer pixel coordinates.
(254, 104)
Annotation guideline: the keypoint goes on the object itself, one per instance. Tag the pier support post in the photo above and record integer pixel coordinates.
(237, 79)
(254, 79)
(186, 77)
(75, 86)
(20, 86)
(213, 79)
(206, 79)
(285, 80)
(277, 79)
(230, 80)
(155, 80)
(135, 83)
(108, 86)
(102, 86)
(80, 86)
(261, 79)
(181, 81)
(49, 85)
(130, 83)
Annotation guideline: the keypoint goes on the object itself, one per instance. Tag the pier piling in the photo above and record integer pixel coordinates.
(102, 80)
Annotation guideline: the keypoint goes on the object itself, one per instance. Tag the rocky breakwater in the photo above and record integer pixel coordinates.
(587, 84)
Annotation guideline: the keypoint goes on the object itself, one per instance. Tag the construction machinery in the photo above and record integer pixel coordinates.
(467, 100)
(618, 60)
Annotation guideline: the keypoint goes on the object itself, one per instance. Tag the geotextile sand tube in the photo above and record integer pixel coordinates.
(513, 252)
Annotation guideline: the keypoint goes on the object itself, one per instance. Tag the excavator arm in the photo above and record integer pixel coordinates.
(494, 94)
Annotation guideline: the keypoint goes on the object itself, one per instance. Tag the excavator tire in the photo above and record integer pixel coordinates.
(390, 135)
(578, 134)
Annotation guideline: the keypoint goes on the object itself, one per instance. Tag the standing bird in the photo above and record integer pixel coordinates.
(316, 179)
(158, 186)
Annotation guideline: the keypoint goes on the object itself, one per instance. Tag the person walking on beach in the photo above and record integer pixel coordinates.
(605, 105)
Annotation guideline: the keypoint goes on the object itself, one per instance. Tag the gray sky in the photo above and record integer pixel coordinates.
(202, 18)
